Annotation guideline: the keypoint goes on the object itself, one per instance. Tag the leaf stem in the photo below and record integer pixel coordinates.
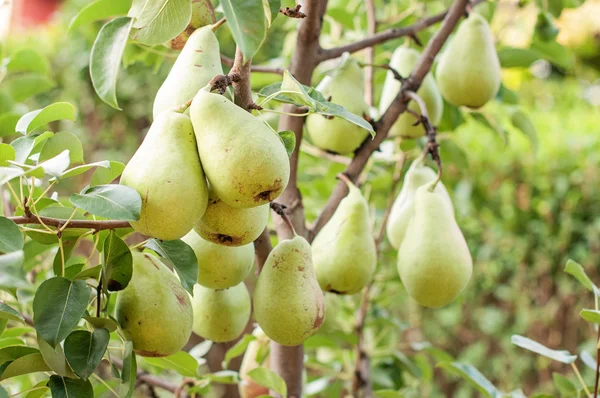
(44, 193)
(105, 384)
(31, 389)
(62, 255)
(580, 379)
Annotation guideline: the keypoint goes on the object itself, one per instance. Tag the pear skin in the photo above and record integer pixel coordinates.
(203, 13)
(403, 61)
(196, 65)
(220, 267)
(230, 226)
(468, 72)
(245, 162)
(403, 208)
(434, 261)
(154, 310)
(346, 88)
(288, 302)
(221, 315)
(166, 172)
(344, 253)
(257, 348)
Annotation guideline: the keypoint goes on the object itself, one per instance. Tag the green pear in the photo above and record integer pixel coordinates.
(230, 226)
(344, 251)
(403, 208)
(288, 302)
(345, 87)
(154, 310)
(196, 65)
(203, 13)
(220, 267)
(244, 160)
(256, 356)
(468, 72)
(403, 61)
(221, 315)
(167, 173)
(434, 261)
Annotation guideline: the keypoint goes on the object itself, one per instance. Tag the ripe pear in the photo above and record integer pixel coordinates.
(230, 226)
(220, 267)
(203, 13)
(154, 310)
(345, 87)
(221, 315)
(288, 302)
(245, 162)
(403, 61)
(403, 208)
(256, 356)
(468, 72)
(196, 65)
(167, 173)
(434, 261)
(344, 251)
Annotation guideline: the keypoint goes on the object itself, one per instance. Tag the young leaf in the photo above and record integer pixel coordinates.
(7, 312)
(289, 141)
(183, 258)
(53, 167)
(41, 117)
(116, 202)
(75, 171)
(117, 263)
(58, 306)
(65, 387)
(246, 19)
(11, 238)
(129, 373)
(84, 350)
(590, 315)
(162, 20)
(269, 379)
(60, 142)
(55, 358)
(473, 376)
(31, 363)
(557, 355)
(99, 9)
(238, 349)
(105, 58)
(578, 272)
(181, 362)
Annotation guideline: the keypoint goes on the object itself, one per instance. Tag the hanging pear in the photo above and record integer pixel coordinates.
(345, 87)
(256, 355)
(288, 303)
(403, 61)
(245, 162)
(403, 208)
(344, 251)
(220, 267)
(468, 72)
(196, 65)
(230, 226)
(434, 261)
(221, 315)
(167, 173)
(154, 310)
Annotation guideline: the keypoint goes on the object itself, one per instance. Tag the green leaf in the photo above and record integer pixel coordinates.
(11, 238)
(181, 256)
(58, 306)
(564, 385)
(246, 19)
(224, 377)
(31, 363)
(3, 323)
(75, 171)
(97, 10)
(554, 53)
(89, 273)
(116, 202)
(521, 121)
(8, 173)
(271, 10)
(14, 352)
(563, 356)
(388, 394)
(590, 315)
(129, 373)
(578, 272)
(60, 142)
(7, 153)
(99, 323)
(54, 167)
(407, 364)
(8, 123)
(7, 312)
(28, 60)
(11, 260)
(269, 379)
(29, 85)
(511, 57)
(41, 117)
(162, 20)
(84, 350)
(289, 141)
(107, 175)
(64, 387)
(473, 376)
(105, 58)
(493, 127)
(40, 391)
(117, 263)
(181, 362)
(23, 147)
(55, 358)
(238, 349)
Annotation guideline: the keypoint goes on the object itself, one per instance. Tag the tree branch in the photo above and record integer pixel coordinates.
(254, 68)
(97, 225)
(241, 86)
(370, 52)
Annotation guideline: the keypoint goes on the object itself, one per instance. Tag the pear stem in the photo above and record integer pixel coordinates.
(280, 210)
(218, 24)
(183, 107)
(346, 179)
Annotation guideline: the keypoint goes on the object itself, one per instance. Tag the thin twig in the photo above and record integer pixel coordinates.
(370, 52)
(574, 367)
(99, 297)
(279, 209)
(97, 225)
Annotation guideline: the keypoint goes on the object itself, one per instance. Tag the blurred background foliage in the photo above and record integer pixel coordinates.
(525, 204)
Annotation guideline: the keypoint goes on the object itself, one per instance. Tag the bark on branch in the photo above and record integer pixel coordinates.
(97, 225)
(254, 68)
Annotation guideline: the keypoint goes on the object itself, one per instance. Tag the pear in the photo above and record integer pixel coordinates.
(344, 251)
(167, 173)
(434, 261)
(403, 61)
(221, 315)
(288, 303)
(230, 226)
(220, 267)
(468, 72)
(403, 208)
(256, 355)
(196, 65)
(346, 88)
(244, 160)
(154, 310)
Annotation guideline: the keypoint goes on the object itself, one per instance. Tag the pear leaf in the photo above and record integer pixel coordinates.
(563, 356)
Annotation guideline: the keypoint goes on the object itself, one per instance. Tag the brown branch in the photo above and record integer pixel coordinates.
(97, 225)
(279, 209)
(241, 88)
(397, 107)
(293, 12)
(254, 68)
(370, 52)
(262, 248)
